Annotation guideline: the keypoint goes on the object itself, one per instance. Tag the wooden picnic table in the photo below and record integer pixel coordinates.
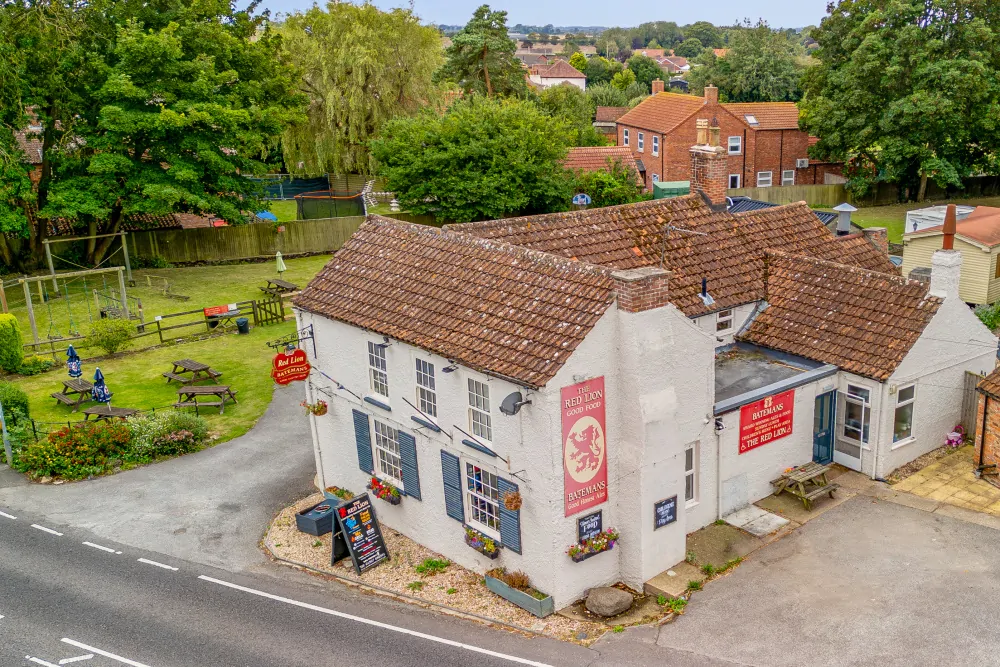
(75, 391)
(198, 371)
(107, 412)
(223, 319)
(277, 286)
(806, 483)
(187, 397)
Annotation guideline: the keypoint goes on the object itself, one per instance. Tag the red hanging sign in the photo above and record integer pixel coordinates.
(765, 421)
(585, 460)
(290, 367)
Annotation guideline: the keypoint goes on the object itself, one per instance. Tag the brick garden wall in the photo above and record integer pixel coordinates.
(992, 439)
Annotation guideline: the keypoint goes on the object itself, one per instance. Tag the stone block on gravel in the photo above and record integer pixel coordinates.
(607, 601)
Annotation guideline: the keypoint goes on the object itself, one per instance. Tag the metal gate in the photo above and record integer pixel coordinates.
(270, 311)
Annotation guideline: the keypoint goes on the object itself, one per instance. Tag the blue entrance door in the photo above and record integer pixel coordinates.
(823, 420)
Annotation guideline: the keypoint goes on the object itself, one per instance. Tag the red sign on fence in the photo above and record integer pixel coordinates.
(290, 367)
(766, 421)
(212, 311)
(585, 452)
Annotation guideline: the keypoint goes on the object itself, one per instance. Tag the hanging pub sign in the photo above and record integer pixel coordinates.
(356, 520)
(585, 460)
(766, 420)
(664, 512)
(290, 366)
(588, 527)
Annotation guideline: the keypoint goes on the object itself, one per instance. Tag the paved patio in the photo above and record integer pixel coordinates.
(952, 480)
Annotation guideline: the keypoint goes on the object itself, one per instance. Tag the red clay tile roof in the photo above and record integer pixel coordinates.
(30, 144)
(730, 256)
(825, 311)
(991, 384)
(600, 158)
(508, 311)
(609, 114)
(770, 115)
(559, 69)
(141, 222)
(720, 53)
(662, 112)
(650, 53)
(859, 251)
(678, 61)
(981, 226)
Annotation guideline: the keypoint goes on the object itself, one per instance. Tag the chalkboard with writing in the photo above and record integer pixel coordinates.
(664, 512)
(588, 527)
(356, 518)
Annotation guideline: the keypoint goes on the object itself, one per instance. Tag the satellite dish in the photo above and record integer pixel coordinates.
(512, 404)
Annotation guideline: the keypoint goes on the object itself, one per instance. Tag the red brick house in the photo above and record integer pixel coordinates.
(763, 142)
(600, 158)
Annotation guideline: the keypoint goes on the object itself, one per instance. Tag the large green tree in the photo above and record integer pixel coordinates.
(707, 34)
(601, 70)
(907, 91)
(151, 106)
(689, 48)
(482, 159)
(617, 184)
(572, 105)
(646, 70)
(481, 57)
(360, 67)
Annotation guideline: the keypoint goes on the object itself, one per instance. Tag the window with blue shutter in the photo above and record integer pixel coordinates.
(363, 436)
(510, 521)
(408, 458)
(451, 471)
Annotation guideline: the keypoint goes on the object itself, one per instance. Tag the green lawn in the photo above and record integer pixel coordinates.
(245, 363)
(285, 209)
(894, 217)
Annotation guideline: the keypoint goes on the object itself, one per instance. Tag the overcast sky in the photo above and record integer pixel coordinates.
(779, 13)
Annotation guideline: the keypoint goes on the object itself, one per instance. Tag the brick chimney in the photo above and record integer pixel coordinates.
(946, 268)
(641, 289)
(709, 166)
(658, 86)
(878, 237)
(711, 95)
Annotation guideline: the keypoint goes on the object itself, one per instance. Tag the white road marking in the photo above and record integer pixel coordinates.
(153, 562)
(377, 624)
(8, 516)
(98, 546)
(79, 658)
(124, 661)
(39, 661)
(47, 530)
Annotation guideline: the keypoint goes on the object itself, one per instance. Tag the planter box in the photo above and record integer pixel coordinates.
(540, 608)
(479, 548)
(392, 500)
(582, 557)
(316, 522)
(337, 500)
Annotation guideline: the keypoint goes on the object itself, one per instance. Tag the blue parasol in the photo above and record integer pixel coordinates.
(73, 363)
(100, 392)
(267, 215)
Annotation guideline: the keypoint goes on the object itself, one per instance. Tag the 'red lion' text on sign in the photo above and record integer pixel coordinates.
(767, 420)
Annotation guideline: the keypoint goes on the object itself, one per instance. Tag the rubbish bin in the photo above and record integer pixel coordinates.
(243, 325)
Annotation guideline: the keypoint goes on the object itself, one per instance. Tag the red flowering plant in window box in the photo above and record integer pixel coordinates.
(384, 491)
(603, 541)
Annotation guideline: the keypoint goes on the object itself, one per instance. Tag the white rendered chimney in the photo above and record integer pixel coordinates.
(946, 269)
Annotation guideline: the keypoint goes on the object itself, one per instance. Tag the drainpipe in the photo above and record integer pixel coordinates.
(982, 444)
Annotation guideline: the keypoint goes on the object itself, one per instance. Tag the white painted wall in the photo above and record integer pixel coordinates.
(548, 82)
(707, 323)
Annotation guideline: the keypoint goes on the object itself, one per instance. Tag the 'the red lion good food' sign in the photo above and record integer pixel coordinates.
(290, 367)
(585, 451)
(766, 421)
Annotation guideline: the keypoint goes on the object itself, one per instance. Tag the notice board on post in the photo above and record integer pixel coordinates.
(365, 545)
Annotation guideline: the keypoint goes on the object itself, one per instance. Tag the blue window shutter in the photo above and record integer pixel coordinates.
(451, 470)
(510, 521)
(363, 435)
(408, 459)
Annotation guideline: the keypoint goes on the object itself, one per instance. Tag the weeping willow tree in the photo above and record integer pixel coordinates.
(360, 67)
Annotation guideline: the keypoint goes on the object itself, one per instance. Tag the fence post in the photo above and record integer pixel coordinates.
(128, 266)
(121, 284)
(159, 330)
(34, 430)
(6, 440)
(31, 311)
(3, 297)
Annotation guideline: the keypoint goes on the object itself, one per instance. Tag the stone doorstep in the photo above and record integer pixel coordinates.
(673, 582)
(756, 521)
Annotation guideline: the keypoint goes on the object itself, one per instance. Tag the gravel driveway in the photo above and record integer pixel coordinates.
(210, 507)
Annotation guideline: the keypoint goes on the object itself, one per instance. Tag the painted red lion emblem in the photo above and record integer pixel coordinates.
(589, 451)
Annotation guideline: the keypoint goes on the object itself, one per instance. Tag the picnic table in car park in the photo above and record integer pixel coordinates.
(806, 483)
(187, 397)
(75, 391)
(102, 411)
(277, 287)
(198, 372)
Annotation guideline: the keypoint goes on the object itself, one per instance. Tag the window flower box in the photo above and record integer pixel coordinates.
(337, 494)
(384, 491)
(316, 520)
(603, 541)
(487, 546)
(540, 607)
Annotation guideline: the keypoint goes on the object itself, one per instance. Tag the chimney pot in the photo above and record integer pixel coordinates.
(844, 212)
(711, 95)
(714, 133)
(658, 86)
(701, 125)
(950, 224)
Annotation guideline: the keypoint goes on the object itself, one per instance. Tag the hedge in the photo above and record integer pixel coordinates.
(13, 399)
(11, 344)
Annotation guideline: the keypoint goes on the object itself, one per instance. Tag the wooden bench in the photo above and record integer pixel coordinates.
(817, 492)
(63, 398)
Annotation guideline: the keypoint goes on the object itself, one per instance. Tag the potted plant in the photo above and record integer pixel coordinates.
(603, 541)
(487, 546)
(337, 493)
(384, 491)
(512, 500)
(515, 587)
(317, 409)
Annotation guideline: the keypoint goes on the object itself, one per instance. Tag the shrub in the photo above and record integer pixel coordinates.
(35, 364)
(432, 566)
(111, 335)
(185, 421)
(165, 434)
(11, 343)
(14, 401)
(77, 452)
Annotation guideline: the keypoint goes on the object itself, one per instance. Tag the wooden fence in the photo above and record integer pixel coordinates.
(825, 196)
(213, 244)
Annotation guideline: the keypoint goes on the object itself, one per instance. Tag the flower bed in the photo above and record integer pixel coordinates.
(487, 546)
(515, 587)
(604, 541)
(384, 491)
(337, 493)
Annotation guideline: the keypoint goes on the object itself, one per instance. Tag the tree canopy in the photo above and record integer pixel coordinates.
(907, 91)
(359, 68)
(645, 69)
(579, 61)
(482, 159)
(573, 106)
(618, 184)
(689, 48)
(707, 34)
(481, 57)
(600, 70)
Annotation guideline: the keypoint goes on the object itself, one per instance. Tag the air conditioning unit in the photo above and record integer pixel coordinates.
(802, 163)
